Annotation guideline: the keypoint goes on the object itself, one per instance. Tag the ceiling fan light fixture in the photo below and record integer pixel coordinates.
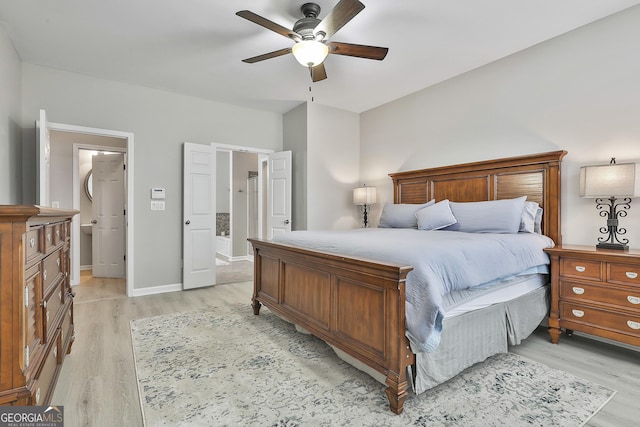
(310, 53)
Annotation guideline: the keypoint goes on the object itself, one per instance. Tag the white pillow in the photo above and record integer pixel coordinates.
(435, 217)
(401, 215)
(493, 216)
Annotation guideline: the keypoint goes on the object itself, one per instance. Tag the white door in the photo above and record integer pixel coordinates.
(108, 216)
(43, 143)
(279, 193)
(199, 216)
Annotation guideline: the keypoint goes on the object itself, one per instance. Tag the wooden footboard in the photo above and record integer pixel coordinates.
(356, 305)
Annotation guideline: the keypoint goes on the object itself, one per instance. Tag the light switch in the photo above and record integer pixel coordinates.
(157, 206)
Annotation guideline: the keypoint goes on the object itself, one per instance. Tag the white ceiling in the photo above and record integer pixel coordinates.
(195, 47)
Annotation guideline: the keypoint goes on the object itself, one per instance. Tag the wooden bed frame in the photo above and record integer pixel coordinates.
(358, 305)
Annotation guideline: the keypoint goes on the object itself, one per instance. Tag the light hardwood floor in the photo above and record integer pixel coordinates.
(98, 387)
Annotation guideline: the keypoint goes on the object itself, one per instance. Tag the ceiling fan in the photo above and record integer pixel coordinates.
(311, 36)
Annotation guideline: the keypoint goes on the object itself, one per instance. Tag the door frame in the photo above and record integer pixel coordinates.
(263, 155)
(75, 223)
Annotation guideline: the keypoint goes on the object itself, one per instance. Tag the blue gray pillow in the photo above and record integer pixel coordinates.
(401, 215)
(436, 216)
(493, 216)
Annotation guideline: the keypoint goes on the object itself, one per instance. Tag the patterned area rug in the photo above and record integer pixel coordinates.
(229, 367)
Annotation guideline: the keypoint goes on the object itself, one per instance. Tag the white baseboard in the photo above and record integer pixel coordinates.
(152, 290)
(86, 267)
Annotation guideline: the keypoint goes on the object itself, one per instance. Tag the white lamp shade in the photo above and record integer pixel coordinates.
(616, 180)
(310, 52)
(364, 195)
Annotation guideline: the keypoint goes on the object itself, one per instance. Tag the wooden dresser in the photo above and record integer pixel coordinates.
(595, 291)
(36, 301)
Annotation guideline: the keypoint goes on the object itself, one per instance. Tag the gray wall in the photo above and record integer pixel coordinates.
(161, 122)
(333, 150)
(242, 163)
(579, 92)
(325, 145)
(10, 120)
(295, 140)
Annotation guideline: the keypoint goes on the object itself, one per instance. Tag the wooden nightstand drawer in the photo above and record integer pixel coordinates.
(628, 299)
(625, 274)
(601, 319)
(582, 269)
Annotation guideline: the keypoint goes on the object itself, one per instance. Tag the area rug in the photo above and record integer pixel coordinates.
(227, 367)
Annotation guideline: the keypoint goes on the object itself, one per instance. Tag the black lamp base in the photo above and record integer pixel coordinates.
(616, 246)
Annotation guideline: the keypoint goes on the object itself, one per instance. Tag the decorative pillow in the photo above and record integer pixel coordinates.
(401, 215)
(527, 222)
(537, 224)
(493, 216)
(435, 217)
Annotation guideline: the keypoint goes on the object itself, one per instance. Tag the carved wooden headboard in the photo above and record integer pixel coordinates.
(536, 176)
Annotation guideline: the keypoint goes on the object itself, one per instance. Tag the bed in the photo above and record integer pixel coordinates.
(358, 305)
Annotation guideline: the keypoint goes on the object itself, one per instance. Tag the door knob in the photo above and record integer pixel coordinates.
(188, 222)
(286, 221)
(94, 221)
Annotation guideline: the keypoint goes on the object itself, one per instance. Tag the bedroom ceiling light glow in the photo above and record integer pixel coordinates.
(607, 183)
(310, 53)
(365, 197)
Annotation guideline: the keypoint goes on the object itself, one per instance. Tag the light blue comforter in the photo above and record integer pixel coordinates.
(443, 261)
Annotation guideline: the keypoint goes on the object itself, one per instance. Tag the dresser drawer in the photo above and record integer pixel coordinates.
(589, 270)
(624, 274)
(32, 319)
(601, 319)
(43, 387)
(33, 245)
(624, 298)
(49, 237)
(66, 331)
(51, 310)
(51, 271)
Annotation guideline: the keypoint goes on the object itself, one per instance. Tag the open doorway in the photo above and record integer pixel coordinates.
(62, 179)
(239, 212)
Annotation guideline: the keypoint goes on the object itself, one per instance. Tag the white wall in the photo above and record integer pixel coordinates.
(579, 92)
(10, 120)
(333, 150)
(160, 121)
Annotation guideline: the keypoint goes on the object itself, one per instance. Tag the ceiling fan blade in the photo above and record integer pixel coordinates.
(269, 25)
(358, 50)
(267, 55)
(342, 13)
(318, 72)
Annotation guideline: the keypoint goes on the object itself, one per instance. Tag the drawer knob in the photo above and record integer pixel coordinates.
(38, 396)
(633, 325)
(631, 274)
(32, 242)
(577, 313)
(578, 291)
(58, 262)
(633, 300)
(580, 268)
(49, 237)
(55, 352)
(44, 275)
(48, 316)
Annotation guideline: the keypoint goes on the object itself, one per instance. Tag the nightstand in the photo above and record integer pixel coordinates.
(595, 291)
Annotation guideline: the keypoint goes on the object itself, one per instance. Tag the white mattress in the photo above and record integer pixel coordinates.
(473, 299)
